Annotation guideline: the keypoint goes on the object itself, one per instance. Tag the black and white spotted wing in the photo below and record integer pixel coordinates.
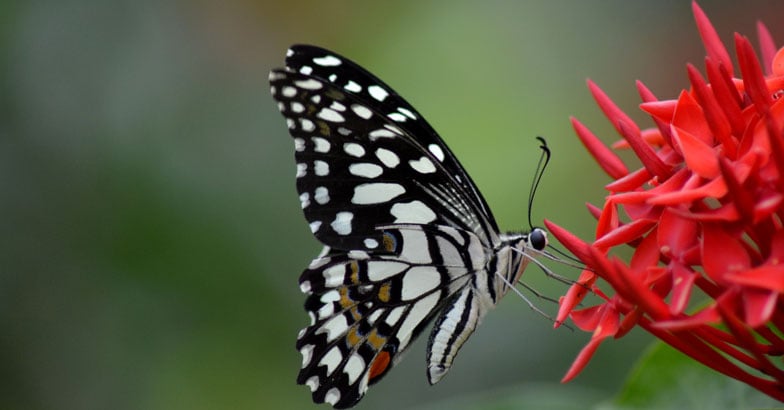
(407, 235)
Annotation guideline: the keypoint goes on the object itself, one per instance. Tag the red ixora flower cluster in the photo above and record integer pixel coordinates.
(704, 215)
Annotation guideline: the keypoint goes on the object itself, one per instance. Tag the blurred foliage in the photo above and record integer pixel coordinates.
(152, 236)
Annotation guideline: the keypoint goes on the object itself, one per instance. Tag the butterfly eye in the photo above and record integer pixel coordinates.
(538, 239)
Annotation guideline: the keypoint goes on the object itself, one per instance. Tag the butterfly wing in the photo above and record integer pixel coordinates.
(370, 91)
(404, 226)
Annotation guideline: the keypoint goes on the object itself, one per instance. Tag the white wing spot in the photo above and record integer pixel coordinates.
(297, 107)
(337, 106)
(332, 396)
(302, 170)
(307, 125)
(387, 157)
(289, 91)
(307, 354)
(289, 53)
(313, 383)
(355, 366)
(344, 131)
(299, 144)
(381, 133)
(322, 195)
(354, 149)
(314, 226)
(374, 316)
(327, 61)
(316, 98)
(320, 145)
(330, 115)
(321, 168)
(342, 223)
(376, 193)
(418, 281)
(309, 84)
(273, 89)
(274, 76)
(377, 92)
(306, 69)
(290, 123)
(394, 315)
(304, 199)
(412, 212)
(423, 165)
(397, 117)
(331, 359)
(436, 150)
(407, 113)
(362, 111)
(332, 77)
(353, 87)
(281, 107)
(365, 170)
(304, 287)
(371, 243)
(358, 255)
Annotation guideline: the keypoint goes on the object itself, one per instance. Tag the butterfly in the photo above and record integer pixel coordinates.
(407, 236)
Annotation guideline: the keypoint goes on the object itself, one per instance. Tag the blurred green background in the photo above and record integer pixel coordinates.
(152, 235)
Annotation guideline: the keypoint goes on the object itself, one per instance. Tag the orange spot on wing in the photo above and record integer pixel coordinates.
(379, 366)
(384, 292)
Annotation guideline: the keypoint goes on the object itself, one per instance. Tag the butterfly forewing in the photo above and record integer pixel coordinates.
(379, 97)
(357, 168)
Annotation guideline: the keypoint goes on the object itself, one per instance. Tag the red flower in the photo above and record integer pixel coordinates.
(704, 214)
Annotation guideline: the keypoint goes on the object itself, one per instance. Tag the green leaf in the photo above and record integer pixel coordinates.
(665, 378)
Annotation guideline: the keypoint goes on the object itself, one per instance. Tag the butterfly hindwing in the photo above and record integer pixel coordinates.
(367, 308)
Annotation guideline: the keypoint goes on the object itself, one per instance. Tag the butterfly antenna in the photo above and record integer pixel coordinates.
(540, 167)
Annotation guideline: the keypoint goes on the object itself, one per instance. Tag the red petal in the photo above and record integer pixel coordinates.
(713, 189)
(683, 283)
(767, 46)
(663, 126)
(753, 79)
(726, 95)
(644, 152)
(574, 244)
(770, 277)
(625, 233)
(608, 221)
(647, 253)
(705, 316)
(759, 306)
(661, 110)
(714, 116)
(699, 156)
(606, 159)
(710, 38)
(722, 254)
(778, 63)
(676, 235)
(588, 319)
(690, 117)
(574, 296)
(607, 328)
(582, 360)
(630, 182)
(611, 111)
